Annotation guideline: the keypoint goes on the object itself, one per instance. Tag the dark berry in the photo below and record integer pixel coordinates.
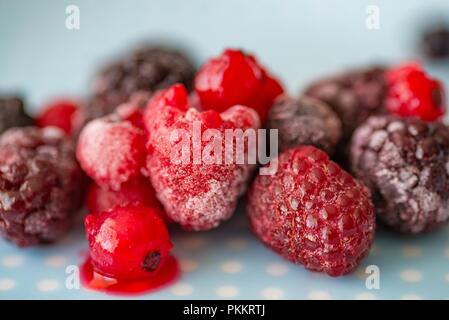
(61, 114)
(236, 77)
(312, 212)
(41, 185)
(413, 93)
(435, 42)
(111, 150)
(353, 95)
(145, 70)
(196, 193)
(304, 121)
(405, 162)
(12, 113)
(128, 243)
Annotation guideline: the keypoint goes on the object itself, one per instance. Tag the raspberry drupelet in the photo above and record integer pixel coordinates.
(413, 93)
(128, 243)
(312, 212)
(405, 163)
(111, 150)
(236, 78)
(40, 185)
(197, 187)
(304, 121)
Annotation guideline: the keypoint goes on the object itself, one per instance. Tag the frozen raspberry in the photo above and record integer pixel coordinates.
(12, 113)
(435, 42)
(40, 185)
(304, 121)
(111, 150)
(147, 69)
(312, 212)
(138, 191)
(236, 78)
(198, 187)
(405, 162)
(412, 93)
(127, 243)
(61, 114)
(353, 95)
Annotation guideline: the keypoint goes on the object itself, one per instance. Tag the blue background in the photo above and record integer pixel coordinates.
(299, 41)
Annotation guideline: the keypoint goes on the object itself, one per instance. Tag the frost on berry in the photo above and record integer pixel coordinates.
(196, 194)
(312, 212)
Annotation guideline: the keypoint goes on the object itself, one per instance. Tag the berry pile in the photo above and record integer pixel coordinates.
(158, 154)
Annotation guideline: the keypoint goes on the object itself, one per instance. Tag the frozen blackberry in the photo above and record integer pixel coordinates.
(354, 95)
(12, 113)
(435, 43)
(304, 121)
(146, 69)
(405, 163)
(40, 185)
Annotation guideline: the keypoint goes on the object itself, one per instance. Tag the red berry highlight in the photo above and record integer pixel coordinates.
(413, 93)
(236, 77)
(128, 243)
(61, 114)
(312, 212)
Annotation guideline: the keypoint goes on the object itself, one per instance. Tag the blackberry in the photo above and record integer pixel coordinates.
(354, 95)
(12, 113)
(405, 163)
(147, 69)
(304, 121)
(435, 43)
(40, 185)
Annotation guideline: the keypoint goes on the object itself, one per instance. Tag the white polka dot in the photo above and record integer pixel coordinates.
(231, 267)
(55, 261)
(182, 289)
(12, 261)
(411, 251)
(411, 297)
(6, 284)
(319, 295)
(276, 269)
(192, 242)
(272, 293)
(227, 291)
(411, 275)
(188, 265)
(237, 244)
(47, 285)
(365, 296)
(446, 253)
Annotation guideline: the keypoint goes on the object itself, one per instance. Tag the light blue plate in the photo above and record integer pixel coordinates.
(299, 40)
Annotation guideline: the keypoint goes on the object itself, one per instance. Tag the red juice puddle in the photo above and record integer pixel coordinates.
(168, 274)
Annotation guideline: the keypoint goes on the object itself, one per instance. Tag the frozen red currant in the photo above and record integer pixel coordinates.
(60, 113)
(413, 93)
(127, 243)
(111, 150)
(236, 77)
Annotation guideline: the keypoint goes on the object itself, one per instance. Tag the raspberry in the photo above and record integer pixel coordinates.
(435, 42)
(312, 212)
(111, 150)
(405, 163)
(236, 78)
(412, 93)
(147, 69)
(137, 191)
(304, 121)
(61, 114)
(353, 95)
(196, 194)
(40, 185)
(12, 113)
(127, 243)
